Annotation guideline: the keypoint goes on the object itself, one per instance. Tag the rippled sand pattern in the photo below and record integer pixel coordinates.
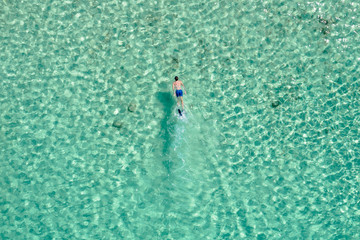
(90, 147)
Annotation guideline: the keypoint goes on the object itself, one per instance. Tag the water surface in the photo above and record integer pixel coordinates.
(269, 149)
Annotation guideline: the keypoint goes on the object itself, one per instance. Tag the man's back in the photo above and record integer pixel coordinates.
(178, 84)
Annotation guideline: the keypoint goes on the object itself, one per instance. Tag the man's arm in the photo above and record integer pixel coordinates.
(173, 88)
(183, 86)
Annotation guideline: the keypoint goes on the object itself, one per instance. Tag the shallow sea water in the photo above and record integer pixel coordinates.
(269, 148)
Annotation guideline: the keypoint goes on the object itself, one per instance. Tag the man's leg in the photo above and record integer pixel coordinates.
(182, 103)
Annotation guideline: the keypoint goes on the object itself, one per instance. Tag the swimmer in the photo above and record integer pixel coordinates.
(178, 93)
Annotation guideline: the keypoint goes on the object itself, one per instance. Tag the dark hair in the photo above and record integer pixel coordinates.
(176, 78)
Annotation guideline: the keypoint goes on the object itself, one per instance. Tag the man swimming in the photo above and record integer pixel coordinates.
(178, 93)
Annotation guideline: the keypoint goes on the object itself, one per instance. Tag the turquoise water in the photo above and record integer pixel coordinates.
(269, 149)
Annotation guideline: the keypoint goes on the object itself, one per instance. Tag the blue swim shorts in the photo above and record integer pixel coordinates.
(179, 93)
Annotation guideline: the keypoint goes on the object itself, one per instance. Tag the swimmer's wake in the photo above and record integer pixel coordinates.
(180, 148)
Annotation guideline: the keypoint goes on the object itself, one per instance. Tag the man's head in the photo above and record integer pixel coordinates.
(176, 78)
